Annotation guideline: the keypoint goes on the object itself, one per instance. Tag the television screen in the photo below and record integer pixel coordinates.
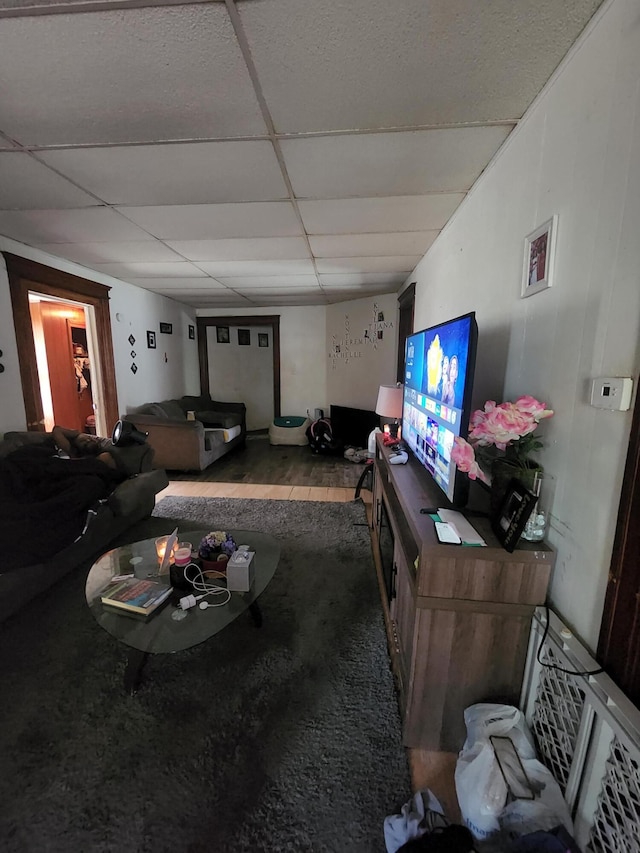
(438, 379)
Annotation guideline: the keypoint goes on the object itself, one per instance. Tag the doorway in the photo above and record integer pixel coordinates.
(70, 307)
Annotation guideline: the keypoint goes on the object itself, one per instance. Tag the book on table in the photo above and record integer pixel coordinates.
(135, 595)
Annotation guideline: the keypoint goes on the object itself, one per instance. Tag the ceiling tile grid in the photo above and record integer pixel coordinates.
(260, 153)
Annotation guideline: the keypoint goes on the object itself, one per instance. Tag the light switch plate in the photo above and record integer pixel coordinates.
(612, 392)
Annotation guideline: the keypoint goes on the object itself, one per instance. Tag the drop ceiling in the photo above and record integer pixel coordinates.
(261, 152)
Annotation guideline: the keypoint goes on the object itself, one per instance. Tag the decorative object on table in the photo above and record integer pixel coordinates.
(500, 439)
(138, 596)
(166, 328)
(539, 253)
(511, 518)
(244, 337)
(389, 405)
(214, 551)
(222, 334)
(151, 340)
(182, 559)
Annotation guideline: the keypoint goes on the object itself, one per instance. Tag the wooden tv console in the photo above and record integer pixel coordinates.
(458, 618)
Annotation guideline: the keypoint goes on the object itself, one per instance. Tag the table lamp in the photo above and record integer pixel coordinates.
(389, 405)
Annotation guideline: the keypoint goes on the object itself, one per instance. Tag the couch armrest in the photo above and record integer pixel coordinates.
(126, 497)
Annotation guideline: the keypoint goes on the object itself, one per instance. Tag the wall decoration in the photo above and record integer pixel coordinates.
(134, 368)
(132, 340)
(151, 340)
(539, 253)
(244, 337)
(263, 339)
(192, 333)
(222, 334)
(133, 353)
(166, 328)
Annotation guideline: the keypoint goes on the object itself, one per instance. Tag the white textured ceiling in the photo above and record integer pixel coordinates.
(260, 152)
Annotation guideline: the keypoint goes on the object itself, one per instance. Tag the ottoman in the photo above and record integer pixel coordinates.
(289, 430)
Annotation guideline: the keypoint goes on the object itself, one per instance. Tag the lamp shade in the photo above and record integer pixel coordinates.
(389, 403)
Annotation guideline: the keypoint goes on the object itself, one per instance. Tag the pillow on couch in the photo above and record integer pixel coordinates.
(222, 420)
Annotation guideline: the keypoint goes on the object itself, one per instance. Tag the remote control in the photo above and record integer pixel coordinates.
(446, 533)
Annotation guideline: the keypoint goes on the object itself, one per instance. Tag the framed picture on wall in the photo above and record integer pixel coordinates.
(539, 253)
(263, 339)
(151, 340)
(192, 333)
(166, 328)
(222, 334)
(244, 337)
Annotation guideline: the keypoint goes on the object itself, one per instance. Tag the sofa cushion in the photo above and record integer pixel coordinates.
(172, 410)
(222, 420)
(154, 409)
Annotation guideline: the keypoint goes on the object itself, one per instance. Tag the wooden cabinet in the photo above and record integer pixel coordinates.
(458, 618)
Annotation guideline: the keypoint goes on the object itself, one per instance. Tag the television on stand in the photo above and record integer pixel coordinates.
(438, 381)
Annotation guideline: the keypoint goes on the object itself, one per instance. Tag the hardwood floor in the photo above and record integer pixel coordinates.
(296, 473)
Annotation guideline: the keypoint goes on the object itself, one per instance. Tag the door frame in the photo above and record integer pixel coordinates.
(271, 320)
(27, 276)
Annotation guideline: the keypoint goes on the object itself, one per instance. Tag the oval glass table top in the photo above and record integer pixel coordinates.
(161, 632)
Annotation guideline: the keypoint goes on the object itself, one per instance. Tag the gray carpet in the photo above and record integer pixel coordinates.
(280, 738)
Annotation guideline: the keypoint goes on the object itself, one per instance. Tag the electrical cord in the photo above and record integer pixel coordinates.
(555, 665)
(200, 584)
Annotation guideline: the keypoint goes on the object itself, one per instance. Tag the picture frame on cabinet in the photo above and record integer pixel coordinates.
(513, 515)
(539, 258)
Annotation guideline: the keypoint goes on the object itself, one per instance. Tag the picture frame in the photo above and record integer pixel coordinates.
(539, 258)
(151, 340)
(166, 328)
(244, 337)
(263, 339)
(222, 334)
(511, 518)
(192, 333)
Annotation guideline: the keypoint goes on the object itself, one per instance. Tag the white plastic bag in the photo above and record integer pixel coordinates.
(482, 791)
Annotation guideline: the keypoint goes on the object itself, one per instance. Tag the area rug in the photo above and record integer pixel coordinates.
(279, 738)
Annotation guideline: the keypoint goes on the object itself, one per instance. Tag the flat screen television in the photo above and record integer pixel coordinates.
(438, 380)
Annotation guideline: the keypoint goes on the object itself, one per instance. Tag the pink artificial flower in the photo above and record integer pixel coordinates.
(463, 455)
(534, 407)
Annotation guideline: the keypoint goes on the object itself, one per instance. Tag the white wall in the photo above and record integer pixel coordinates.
(303, 372)
(168, 371)
(243, 373)
(576, 154)
(359, 361)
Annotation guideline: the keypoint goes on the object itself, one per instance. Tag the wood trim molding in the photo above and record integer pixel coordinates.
(272, 320)
(26, 275)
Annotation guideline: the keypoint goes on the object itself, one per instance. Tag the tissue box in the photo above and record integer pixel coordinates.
(241, 571)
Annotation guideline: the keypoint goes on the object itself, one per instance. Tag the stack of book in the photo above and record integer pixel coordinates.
(137, 596)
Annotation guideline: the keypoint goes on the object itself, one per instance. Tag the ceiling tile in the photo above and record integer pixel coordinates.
(394, 213)
(184, 173)
(356, 245)
(176, 284)
(96, 253)
(402, 263)
(251, 249)
(244, 268)
(410, 163)
(126, 75)
(149, 270)
(26, 184)
(203, 293)
(369, 279)
(371, 63)
(91, 225)
(270, 281)
(217, 221)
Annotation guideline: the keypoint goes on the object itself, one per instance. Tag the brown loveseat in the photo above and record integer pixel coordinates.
(181, 444)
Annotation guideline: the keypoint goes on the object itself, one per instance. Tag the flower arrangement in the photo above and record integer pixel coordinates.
(214, 543)
(509, 427)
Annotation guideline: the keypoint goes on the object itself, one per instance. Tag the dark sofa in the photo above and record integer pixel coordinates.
(181, 444)
(128, 502)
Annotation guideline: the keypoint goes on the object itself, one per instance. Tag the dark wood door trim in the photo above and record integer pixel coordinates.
(619, 642)
(272, 320)
(406, 304)
(26, 275)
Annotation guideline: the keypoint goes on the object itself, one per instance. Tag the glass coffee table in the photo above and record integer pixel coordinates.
(171, 629)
